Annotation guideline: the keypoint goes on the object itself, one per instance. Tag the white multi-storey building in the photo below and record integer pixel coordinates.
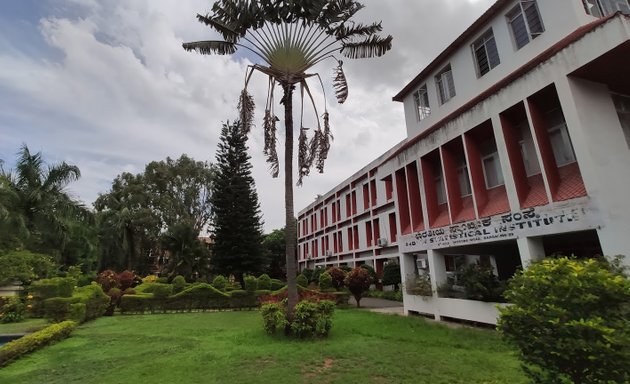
(518, 146)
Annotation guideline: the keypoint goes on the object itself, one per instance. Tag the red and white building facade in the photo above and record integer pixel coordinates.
(518, 146)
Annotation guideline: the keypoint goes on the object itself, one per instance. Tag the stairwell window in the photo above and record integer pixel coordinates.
(559, 137)
(601, 8)
(421, 100)
(622, 104)
(525, 22)
(445, 85)
(485, 53)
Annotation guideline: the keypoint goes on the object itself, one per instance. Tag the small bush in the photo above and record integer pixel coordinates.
(358, 281)
(276, 284)
(126, 279)
(251, 283)
(301, 280)
(274, 317)
(264, 282)
(219, 282)
(338, 277)
(95, 300)
(57, 309)
(149, 279)
(312, 318)
(569, 319)
(55, 287)
(480, 283)
(179, 284)
(316, 273)
(29, 343)
(325, 281)
(160, 290)
(77, 312)
(11, 310)
(107, 279)
(308, 273)
(391, 275)
(419, 285)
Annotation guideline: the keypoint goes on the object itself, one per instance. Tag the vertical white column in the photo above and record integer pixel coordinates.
(531, 249)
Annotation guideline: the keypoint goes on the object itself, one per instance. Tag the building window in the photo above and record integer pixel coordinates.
(421, 100)
(559, 137)
(528, 150)
(485, 53)
(491, 164)
(525, 22)
(440, 191)
(600, 8)
(622, 104)
(445, 85)
(464, 180)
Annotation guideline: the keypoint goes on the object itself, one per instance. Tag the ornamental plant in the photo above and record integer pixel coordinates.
(12, 311)
(570, 320)
(391, 275)
(219, 282)
(325, 282)
(264, 282)
(338, 277)
(358, 281)
(302, 281)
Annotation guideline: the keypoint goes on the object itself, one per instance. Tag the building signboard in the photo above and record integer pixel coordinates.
(534, 221)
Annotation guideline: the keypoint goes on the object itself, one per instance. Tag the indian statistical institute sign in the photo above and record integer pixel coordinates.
(565, 217)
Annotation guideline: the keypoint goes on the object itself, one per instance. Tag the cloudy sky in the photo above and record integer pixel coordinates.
(105, 85)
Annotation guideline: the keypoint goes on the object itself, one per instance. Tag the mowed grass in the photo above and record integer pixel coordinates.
(231, 347)
(28, 325)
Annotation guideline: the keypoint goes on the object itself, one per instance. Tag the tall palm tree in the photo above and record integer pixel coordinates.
(39, 196)
(289, 37)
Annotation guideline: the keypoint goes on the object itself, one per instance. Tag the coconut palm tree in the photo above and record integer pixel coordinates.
(37, 193)
(287, 38)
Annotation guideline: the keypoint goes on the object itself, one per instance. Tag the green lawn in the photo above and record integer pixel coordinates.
(28, 325)
(231, 347)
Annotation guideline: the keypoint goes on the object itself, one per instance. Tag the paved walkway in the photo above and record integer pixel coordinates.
(380, 305)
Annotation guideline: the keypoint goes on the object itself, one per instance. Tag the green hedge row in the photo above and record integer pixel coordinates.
(196, 297)
(29, 343)
(86, 303)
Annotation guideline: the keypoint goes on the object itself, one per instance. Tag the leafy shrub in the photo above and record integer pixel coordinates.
(419, 285)
(274, 317)
(338, 277)
(371, 271)
(126, 279)
(276, 284)
(325, 281)
(179, 284)
(569, 319)
(219, 282)
(264, 281)
(129, 291)
(149, 279)
(358, 281)
(57, 309)
(316, 273)
(25, 266)
(160, 290)
(55, 287)
(391, 275)
(95, 300)
(108, 279)
(11, 310)
(480, 283)
(77, 312)
(310, 318)
(308, 273)
(301, 280)
(251, 283)
(36, 340)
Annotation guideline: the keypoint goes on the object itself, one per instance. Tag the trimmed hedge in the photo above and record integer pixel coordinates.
(276, 284)
(55, 287)
(53, 333)
(94, 301)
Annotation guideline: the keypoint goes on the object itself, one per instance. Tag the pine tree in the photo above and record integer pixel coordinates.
(237, 219)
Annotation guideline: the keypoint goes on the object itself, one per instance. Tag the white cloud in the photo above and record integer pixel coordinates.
(122, 92)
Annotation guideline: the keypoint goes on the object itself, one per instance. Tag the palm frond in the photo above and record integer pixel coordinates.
(370, 47)
(355, 30)
(246, 111)
(340, 84)
(210, 47)
(228, 32)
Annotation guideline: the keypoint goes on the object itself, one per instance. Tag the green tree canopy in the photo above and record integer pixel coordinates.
(237, 225)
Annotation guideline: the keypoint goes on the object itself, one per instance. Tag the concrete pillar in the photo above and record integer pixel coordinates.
(437, 269)
(407, 268)
(530, 249)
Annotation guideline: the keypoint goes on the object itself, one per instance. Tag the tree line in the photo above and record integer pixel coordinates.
(154, 221)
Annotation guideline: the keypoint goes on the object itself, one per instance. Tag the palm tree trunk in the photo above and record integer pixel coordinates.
(291, 235)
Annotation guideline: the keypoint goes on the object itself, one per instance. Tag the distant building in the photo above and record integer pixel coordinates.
(518, 146)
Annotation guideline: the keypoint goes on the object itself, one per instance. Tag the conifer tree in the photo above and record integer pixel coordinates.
(237, 220)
